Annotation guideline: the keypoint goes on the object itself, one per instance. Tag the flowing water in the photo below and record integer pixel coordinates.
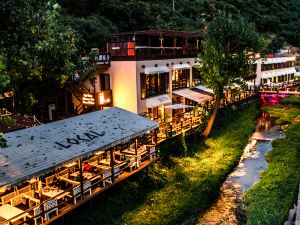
(228, 209)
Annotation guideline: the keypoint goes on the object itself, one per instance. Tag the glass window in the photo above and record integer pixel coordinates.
(154, 84)
(180, 78)
(104, 82)
(196, 77)
(153, 113)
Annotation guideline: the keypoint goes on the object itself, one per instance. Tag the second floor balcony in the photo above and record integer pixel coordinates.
(150, 45)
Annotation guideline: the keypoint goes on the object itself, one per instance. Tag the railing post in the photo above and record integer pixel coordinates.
(112, 162)
(136, 152)
(81, 178)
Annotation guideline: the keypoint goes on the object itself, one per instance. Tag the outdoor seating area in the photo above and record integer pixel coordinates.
(43, 195)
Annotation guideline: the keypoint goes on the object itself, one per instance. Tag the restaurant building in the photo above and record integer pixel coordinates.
(275, 71)
(48, 170)
(149, 70)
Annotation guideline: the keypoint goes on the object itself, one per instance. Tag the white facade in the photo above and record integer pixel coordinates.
(270, 72)
(126, 80)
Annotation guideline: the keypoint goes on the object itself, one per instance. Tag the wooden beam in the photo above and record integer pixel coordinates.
(81, 178)
(112, 164)
(136, 151)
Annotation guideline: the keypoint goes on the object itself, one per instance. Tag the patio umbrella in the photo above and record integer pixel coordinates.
(178, 106)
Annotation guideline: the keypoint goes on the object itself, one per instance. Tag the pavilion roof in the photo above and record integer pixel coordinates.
(37, 150)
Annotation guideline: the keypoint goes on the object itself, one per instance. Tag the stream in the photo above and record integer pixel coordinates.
(228, 209)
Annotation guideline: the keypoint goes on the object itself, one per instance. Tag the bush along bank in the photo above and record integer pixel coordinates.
(269, 201)
(176, 192)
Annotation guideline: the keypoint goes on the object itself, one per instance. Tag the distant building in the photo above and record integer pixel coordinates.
(275, 71)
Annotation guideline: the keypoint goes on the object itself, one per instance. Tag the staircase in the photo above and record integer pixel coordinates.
(77, 89)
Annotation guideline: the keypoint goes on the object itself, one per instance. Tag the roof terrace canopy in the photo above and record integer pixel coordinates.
(34, 151)
(193, 95)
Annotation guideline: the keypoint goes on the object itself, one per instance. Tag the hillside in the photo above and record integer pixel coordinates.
(94, 20)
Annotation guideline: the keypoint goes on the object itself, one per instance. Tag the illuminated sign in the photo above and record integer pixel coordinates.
(102, 59)
(105, 97)
(88, 99)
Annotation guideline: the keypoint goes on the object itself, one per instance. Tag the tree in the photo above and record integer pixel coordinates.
(39, 50)
(228, 46)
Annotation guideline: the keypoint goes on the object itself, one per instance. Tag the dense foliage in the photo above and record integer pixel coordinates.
(95, 20)
(38, 51)
(269, 201)
(277, 19)
(177, 194)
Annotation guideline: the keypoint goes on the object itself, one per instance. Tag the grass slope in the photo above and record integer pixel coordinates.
(181, 193)
(269, 201)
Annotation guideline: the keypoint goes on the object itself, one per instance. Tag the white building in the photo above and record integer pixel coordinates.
(275, 71)
(151, 69)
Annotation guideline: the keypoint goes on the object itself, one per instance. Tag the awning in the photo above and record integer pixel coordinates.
(203, 88)
(297, 74)
(157, 69)
(178, 106)
(158, 101)
(35, 151)
(193, 95)
(181, 66)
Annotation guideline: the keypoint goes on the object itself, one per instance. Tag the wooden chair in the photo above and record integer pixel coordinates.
(132, 163)
(24, 189)
(152, 152)
(49, 179)
(63, 173)
(50, 207)
(76, 193)
(37, 214)
(17, 200)
(87, 188)
(6, 198)
(117, 171)
(93, 161)
(106, 177)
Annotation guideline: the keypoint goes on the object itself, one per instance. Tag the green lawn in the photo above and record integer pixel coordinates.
(269, 201)
(178, 194)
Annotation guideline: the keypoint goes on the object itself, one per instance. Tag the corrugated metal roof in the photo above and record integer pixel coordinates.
(35, 150)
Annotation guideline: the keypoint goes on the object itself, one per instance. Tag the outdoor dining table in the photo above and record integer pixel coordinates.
(129, 151)
(8, 212)
(57, 193)
(105, 162)
(103, 167)
(86, 175)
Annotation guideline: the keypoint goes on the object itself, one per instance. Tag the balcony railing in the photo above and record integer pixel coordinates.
(150, 53)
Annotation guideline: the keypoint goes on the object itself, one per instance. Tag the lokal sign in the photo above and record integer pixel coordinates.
(85, 137)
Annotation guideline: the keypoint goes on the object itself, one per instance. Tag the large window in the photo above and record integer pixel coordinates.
(153, 113)
(266, 67)
(104, 82)
(196, 77)
(180, 78)
(154, 84)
